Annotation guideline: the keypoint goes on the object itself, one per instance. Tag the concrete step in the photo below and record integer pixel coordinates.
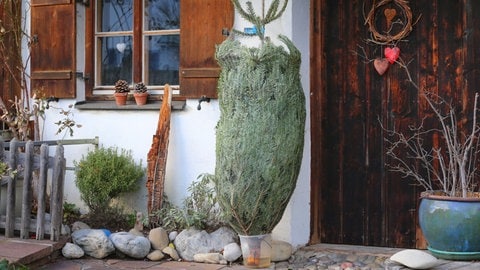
(30, 252)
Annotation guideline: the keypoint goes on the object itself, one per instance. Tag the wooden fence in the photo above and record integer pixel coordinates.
(25, 160)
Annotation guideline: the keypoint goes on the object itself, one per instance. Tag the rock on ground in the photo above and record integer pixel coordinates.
(170, 251)
(156, 255)
(192, 241)
(72, 251)
(159, 238)
(131, 245)
(232, 252)
(215, 258)
(281, 250)
(94, 243)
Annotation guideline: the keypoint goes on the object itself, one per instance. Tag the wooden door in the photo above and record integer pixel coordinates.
(355, 199)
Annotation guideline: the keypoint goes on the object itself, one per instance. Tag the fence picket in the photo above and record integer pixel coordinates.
(11, 191)
(56, 207)
(27, 190)
(42, 191)
(24, 163)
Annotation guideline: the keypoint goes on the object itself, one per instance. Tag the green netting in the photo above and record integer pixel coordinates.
(260, 134)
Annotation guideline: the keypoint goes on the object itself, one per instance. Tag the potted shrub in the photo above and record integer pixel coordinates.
(260, 133)
(105, 173)
(443, 161)
(140, 93)
(121, 92)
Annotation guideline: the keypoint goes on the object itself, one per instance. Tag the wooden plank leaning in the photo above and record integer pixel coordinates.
(157, 156)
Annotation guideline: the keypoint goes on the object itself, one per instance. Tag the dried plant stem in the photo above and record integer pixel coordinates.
(452, 168)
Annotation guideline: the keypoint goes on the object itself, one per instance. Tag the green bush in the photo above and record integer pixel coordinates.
(71, 213)
(104, 174)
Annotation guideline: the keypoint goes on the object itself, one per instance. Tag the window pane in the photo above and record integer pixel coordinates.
(162, 15)
(116, 59)
(115, 15)
(161, 59)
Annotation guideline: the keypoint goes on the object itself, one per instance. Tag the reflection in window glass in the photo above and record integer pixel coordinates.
(162, 15)
(116, 15)
(116, 59)
(162, 59)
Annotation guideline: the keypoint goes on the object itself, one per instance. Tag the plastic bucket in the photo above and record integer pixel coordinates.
(256, 250)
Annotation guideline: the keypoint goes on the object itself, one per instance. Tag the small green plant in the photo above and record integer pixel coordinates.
(3, 168)
(199, 210)
(104, 174)
(67, 124)
(71, 213)
(6, 265)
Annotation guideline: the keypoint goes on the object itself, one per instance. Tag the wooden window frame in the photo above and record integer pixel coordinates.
(198, 70)
(138, 56)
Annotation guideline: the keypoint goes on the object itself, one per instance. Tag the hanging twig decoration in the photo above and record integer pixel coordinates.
(390, 14)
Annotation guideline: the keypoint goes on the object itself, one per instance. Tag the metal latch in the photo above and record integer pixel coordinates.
(82, 76)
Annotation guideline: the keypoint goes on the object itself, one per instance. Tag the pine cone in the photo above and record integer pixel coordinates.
(121, 86)
(140, 88)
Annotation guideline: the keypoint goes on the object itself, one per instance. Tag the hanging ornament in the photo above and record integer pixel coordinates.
(381, 65)
(392, 54)
(397, 9)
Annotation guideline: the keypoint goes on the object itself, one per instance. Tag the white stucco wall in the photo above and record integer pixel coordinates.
(192, 139)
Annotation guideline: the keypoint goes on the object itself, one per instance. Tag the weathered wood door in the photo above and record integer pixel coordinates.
(355, 199)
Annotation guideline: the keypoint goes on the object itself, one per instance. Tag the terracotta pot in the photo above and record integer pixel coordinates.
(141, 98)
(120, 98)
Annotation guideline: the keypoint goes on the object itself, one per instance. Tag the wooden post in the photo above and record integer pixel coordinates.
(56, 207)
(42, 192)
(11, 189)
(2, 150)
(27, 191)
(157, 156)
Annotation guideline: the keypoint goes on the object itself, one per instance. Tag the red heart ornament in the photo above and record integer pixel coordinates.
(392, 54)
(381, 65)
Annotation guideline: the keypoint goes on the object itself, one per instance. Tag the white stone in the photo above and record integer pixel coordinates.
(78, 225)
(131, 245)
(159, 238)
(212, 257)
(172, 235)
(170, 251)
(222, 237)
(72, 251)
(232, 252)
(93, 242)
(281, 250)
(192, 241)
(415, 259)
(156, 255)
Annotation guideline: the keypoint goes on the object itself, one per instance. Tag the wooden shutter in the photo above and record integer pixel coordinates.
(53, 47)
(201, 25)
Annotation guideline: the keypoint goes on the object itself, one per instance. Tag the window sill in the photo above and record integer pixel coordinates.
(131, 106)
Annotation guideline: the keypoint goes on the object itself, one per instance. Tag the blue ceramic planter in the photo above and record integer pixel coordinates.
(451, 226)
